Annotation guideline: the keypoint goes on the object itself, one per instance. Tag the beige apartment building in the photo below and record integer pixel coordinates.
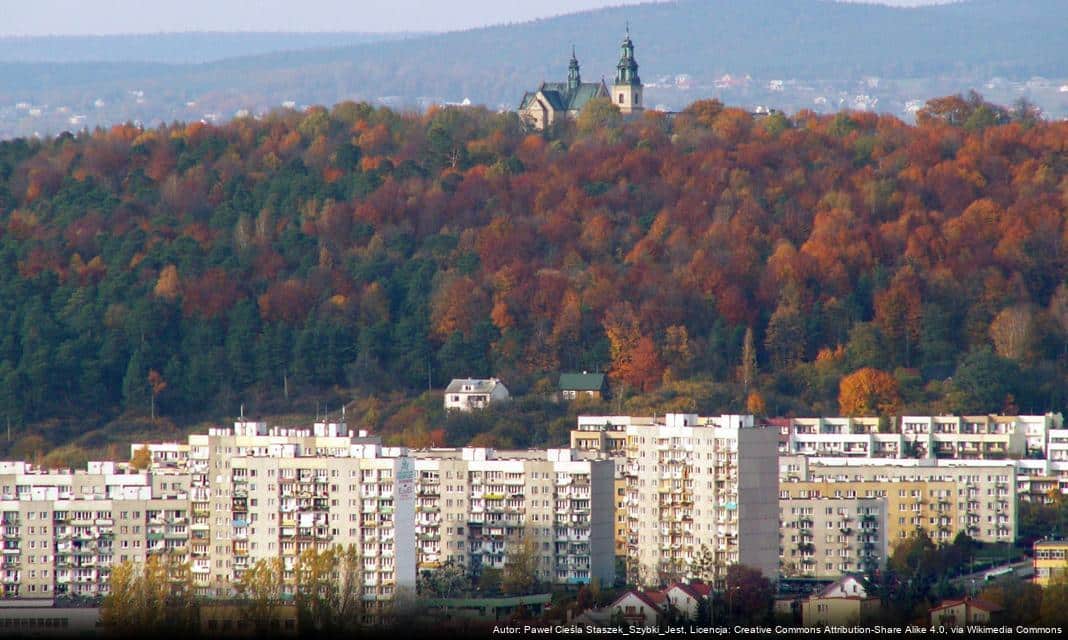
(260, 493)
(983, 492)
(63, 530)
(931, 506)
(825, 537)
(221, 502)
(474, 504)
(1050, 561)
(692, 482)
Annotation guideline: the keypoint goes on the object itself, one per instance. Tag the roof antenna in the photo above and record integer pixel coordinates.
(628, 28)
(242, 411)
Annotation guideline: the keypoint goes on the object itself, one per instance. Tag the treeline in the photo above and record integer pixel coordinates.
(183, 270)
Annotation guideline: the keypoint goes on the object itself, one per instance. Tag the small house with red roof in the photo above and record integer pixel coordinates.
(641, 608)
(963, 611)
(845, 601)
(687, 598)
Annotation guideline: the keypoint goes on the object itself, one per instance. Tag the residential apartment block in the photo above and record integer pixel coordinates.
(1050, 561)
(1041, 479)
(979, 495)
(825, 537)
(921, 437)
(259, 493)
(63, 530)
(930, 506)
(474, 504)
(226, 499)
(692, 482)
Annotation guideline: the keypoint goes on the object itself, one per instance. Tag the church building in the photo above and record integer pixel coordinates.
(553, 101)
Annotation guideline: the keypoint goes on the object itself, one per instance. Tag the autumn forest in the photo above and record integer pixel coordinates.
(708, 261)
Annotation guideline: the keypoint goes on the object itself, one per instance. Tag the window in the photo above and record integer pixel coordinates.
(621, 98)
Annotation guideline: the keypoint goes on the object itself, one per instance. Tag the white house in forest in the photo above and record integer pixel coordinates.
(466, 394)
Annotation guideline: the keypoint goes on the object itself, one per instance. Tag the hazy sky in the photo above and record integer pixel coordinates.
(43, 17)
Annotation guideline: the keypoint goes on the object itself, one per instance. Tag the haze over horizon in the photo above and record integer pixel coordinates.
(114, 17)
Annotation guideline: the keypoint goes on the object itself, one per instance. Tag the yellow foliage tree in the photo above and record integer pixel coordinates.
(521, 566)
(754, 404)
(169, 284)
(141, 459)
(260, 589)
(150, 597)
(328, 586)
(1012, 331)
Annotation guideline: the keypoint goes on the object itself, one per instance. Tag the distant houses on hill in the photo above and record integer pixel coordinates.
(468, 394)
(585, 384)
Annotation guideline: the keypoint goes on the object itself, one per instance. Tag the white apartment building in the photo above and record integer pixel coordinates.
(473, 504)
(693, 481)
(1041, 479)
(922, 437)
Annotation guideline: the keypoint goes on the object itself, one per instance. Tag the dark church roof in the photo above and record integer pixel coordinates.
(562, 98)
(567, 96)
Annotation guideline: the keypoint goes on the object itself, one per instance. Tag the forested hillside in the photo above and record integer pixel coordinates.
(362, 252)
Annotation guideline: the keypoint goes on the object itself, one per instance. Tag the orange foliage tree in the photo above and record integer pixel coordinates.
(868, 392)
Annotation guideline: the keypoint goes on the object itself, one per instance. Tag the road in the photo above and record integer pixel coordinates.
(1021, 569)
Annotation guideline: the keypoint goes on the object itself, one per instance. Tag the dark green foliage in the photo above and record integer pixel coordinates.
(983, 381)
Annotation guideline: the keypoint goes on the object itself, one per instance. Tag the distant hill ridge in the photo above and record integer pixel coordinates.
(806, 40)
(174, 48)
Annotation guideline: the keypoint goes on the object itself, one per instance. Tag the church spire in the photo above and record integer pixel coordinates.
(627, 89)
(627, 69)
(574, 78)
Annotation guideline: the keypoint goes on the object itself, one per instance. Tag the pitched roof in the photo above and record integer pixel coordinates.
(562, 98)
(582, 381)
(653, 599)
(657, 597)
(971, 602)
(840, 582)
(528, 97)
(696, 590)
(475, 385)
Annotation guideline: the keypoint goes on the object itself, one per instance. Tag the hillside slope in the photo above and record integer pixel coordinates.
(192, 268)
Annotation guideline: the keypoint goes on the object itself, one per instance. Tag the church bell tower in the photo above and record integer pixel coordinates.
(627, 89)
(574, 78)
